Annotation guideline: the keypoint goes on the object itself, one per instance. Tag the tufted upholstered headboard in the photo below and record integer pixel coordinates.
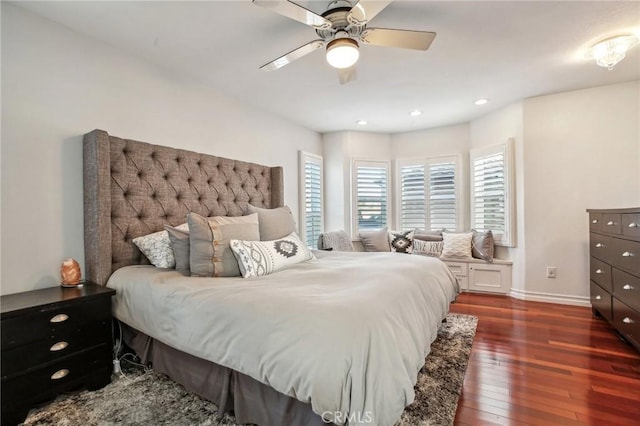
(134, 188)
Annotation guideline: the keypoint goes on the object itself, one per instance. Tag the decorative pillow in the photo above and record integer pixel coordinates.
(209, 239)
(457, 245)
(258, 258)
(274, 223)
(377, 240)
(427, 248)
(482, 245)
(427, 235)
(180, 244)
(401, 242)
(157, 248)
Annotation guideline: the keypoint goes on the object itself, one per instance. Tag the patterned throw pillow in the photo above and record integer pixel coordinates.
(427, 248)
(482, 245)
(157, 247)
(457, 245)
(401, 242)
(258, 258)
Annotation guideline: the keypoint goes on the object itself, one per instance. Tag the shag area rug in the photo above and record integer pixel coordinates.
(150, 398)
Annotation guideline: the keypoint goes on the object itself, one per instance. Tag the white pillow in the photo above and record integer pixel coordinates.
(427, 248)
(258, 258)
(157, 247)
(457, 245)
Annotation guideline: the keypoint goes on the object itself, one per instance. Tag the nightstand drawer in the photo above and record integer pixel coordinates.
(57, 376)
(50, 322)
(17, 360)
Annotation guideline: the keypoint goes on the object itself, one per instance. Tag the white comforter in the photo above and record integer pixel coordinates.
(347, 332)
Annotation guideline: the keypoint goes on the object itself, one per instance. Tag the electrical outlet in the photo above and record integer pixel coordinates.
(551, 271)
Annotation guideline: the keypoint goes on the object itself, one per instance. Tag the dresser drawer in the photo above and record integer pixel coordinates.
(595, 221)
(600, 246)
(631, 224)
(22, 358)
(57, 376)
(601, 273)
(611, 223)
(601, 301)
(49, 322)
(627, 321)
(626, 287)
(626, 255)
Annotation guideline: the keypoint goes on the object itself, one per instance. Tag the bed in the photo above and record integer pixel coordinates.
(339, 338)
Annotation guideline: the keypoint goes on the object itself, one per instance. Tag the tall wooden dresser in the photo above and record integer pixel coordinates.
(615, 269)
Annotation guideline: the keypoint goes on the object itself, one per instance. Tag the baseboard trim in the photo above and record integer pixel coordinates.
(561, 299)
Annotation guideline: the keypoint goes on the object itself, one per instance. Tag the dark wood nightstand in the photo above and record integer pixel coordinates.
(53, 340)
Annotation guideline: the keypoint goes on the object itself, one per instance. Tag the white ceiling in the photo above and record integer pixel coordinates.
(504, 51)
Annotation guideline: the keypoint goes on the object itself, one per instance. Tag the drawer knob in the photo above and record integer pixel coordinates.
(627, 320)
(610, 223)
(598, 297)
(633, 225)
(627, 287)
(599, 245)
(58, 346)
(59, 318)
(594, 221)
(627, 254)
(59, 374)
(598, 271)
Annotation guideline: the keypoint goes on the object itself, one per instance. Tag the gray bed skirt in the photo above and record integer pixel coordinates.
(249, 400)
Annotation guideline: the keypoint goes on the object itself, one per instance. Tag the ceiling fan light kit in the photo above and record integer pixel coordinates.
(341, 28)
(342, 52)
(607, 53)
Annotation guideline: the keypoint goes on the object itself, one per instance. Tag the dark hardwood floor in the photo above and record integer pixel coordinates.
(545, 364)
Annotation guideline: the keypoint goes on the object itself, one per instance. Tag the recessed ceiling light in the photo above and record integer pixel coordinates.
(415, 113)
(361, 122)
(481, 102)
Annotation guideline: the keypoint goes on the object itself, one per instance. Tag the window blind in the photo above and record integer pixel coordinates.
(413, 212)
(371, 186)
(311, 201)
(442, 196)
(489, 192)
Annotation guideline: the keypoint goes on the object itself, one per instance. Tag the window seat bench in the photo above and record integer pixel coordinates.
(476, 275)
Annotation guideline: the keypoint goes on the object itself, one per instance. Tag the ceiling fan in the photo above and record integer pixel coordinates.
(341, 28)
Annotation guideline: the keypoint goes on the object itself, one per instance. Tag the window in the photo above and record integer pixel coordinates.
(370, 194)
(428, 194)
(492, 189)
(311, 203)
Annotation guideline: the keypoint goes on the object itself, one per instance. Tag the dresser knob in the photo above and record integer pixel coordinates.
(598, 271)
(594, 221)
(627, 320)
(599, 245)
(627, 287)
(627, 254)
(598, 297)
(58, 346)
(610, 223)
(59, 374)
(59, 318)
(633, 225)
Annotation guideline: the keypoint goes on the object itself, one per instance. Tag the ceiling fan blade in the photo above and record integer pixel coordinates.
(295, 12)
(407, 39)
(366, 10)
(293, 55)
(345, 75)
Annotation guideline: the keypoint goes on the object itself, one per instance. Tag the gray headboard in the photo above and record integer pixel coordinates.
(134, 188)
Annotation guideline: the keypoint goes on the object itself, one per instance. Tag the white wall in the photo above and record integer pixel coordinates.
(58, 85)
(582, 150)
(493, 129)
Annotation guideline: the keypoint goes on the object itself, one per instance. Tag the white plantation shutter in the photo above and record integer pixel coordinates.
(428, 194)
(371, 194)
(442, 196)
(311, 203)
(492, 192)
(413, 210)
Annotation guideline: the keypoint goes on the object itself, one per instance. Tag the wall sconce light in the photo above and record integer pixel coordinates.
(610, 51)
